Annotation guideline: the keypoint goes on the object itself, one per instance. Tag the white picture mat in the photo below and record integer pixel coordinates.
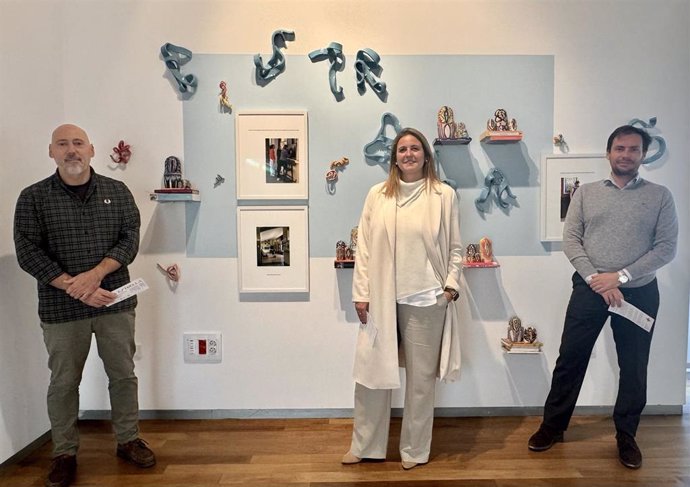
(252, 129)
(586, 167)
(275, 279)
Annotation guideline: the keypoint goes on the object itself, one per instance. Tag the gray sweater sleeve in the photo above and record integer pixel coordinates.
(665, 240)
(573, 238)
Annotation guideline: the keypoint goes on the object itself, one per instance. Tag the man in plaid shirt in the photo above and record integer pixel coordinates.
(75, 232)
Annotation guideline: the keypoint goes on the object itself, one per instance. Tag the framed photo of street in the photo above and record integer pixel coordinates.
(272, 155)
(561, 176)
(273, 249)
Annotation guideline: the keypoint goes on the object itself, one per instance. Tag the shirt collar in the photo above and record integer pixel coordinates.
(630, 184)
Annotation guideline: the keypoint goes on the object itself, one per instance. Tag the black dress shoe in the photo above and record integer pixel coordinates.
(62, 471)
(628, 451)
(544, 439)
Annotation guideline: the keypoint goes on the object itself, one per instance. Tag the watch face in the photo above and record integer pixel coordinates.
(622, 278)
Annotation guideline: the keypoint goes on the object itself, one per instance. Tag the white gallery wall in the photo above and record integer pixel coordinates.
(96, 63)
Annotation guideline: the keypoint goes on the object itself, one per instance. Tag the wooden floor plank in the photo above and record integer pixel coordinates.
(477, 452)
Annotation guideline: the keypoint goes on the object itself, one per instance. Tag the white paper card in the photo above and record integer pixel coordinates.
(130, 289)
(636, 315)
(369, 329)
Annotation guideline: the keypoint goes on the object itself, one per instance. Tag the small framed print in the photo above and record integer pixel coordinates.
(273, 249)
(561, 176)
(272, 155)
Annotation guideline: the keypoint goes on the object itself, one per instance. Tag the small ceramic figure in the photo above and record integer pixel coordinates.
(223, 98)
(172, 177)
(353, 241)
(450, 131)
(471, 253)
(500, 122)
(486, 250)
(122, 153)
(530, 334)
(341, 250)
(446, 123)
(461, 131)
(515, 330)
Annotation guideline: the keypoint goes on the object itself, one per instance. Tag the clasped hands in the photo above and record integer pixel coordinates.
(86, 287)
(606, 284)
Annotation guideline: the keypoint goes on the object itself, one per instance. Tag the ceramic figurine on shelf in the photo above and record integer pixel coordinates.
(353, 242)
(486, 250)
(501, 128)
(520, 340)
(530, 334)
(450, 131)
(461, 132)
(341, 252)
(472, 254)
(500, 122)
(172, 177)
(515, 330)
(446, 123)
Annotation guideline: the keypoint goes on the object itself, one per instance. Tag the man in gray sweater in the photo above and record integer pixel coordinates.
(617, 233)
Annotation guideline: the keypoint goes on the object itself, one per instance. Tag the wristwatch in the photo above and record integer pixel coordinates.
(453, 293)
(623, 277)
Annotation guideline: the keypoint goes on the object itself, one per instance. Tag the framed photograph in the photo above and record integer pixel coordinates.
(561, 176)
(272, 151)
(273, 248)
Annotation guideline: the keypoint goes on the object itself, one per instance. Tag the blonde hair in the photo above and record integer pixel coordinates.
(392, 185)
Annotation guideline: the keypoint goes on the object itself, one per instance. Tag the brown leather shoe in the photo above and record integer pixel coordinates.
(137, 452)
(62, 471)
(628, 451)
(544, 439)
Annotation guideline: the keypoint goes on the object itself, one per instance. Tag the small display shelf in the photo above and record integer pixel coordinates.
(520, 347)
(178, 194)
(165, 198)
(481, 265)
(344, 264)
(460, 141)
(501, 136)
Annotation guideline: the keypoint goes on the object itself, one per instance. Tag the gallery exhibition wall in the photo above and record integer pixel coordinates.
(577, 68)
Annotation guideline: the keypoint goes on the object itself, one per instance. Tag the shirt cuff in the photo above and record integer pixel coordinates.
(588, 279)
(625, 271)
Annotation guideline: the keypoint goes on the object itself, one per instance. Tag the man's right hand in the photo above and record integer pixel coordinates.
(99, 298)
(613, 297)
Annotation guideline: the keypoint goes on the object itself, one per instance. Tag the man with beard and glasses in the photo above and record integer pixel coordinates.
(617, 233)
(76, 232)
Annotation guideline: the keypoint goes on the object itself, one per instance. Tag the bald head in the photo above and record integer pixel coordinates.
(69, 130)
(72, 151)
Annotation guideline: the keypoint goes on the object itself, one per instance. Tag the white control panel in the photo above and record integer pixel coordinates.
(202, 348)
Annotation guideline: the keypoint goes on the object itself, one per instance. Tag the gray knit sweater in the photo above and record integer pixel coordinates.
(608, 229)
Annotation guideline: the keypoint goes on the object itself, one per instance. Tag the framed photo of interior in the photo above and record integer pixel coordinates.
(561, 176)
(273, 249)
(272, 155)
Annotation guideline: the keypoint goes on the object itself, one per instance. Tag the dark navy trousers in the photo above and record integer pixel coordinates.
(584, 319)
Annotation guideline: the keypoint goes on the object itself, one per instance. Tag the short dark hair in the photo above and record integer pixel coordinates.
(630, 130)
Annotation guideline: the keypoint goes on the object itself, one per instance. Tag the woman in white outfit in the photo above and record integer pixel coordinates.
(405, 284)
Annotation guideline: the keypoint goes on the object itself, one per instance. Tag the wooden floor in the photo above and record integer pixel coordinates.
(484, 452)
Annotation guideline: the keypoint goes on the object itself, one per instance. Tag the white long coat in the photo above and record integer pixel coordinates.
(376, 367)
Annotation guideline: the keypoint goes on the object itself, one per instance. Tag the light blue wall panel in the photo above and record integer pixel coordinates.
(474, 86)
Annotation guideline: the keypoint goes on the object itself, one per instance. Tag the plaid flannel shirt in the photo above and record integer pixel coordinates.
(56, 232)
